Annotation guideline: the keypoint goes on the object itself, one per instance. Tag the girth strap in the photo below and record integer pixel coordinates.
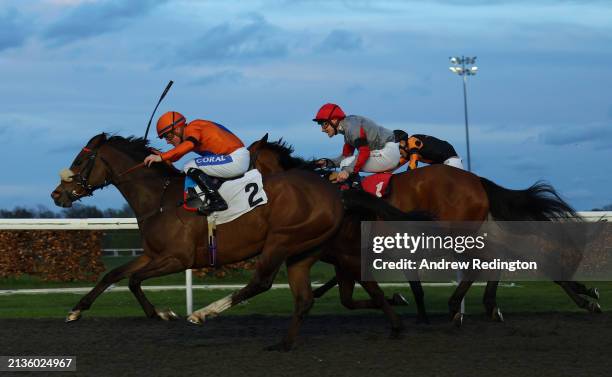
(212, 242)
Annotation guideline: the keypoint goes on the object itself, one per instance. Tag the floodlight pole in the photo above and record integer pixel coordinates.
(462, 68)
(467, 132)
(465, 70)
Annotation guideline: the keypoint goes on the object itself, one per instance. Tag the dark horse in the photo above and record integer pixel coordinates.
(302, 213)
(452, 194)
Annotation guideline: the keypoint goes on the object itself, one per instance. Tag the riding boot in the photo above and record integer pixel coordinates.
(215, 201)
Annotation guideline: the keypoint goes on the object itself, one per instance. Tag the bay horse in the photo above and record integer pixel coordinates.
(302, 213)
(452, 194)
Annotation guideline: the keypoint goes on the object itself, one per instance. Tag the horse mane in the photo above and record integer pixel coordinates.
(286, 160)
(138, 148)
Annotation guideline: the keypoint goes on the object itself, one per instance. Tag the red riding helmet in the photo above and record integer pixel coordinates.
(328, 112)
(169, 122)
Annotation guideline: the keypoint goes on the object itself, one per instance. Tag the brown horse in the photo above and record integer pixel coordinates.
(302, 213)
(452, 194)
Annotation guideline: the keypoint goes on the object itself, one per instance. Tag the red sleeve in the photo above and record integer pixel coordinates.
(362, 157)
(364, 150)
(347, 150)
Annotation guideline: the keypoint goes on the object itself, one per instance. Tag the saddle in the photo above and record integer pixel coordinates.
(194, 198)
(242, 194)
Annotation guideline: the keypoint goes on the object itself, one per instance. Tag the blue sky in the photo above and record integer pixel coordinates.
(540, 106)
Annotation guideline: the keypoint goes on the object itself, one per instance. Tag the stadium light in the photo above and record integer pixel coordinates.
(462, 68)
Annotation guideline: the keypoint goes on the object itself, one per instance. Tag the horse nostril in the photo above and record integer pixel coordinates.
(55, 194)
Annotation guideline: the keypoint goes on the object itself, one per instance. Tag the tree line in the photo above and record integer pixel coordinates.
(77, 211)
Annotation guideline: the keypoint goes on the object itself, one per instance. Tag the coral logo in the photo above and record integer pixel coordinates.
(213, 160)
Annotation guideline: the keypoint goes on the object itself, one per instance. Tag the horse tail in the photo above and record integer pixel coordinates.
(367, 205)
(540, 202)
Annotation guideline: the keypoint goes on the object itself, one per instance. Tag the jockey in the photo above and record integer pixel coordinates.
(223, 155)
(427, 149)
(376, 146)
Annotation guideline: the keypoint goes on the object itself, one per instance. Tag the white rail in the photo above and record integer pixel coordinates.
(68, 224)
(131, 223)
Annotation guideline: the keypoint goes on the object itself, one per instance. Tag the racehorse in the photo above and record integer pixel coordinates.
(302, 212)
(452, 194)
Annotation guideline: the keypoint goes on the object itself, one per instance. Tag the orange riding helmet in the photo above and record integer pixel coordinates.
(169, 122)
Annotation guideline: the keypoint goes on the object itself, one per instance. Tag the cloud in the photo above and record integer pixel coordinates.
(12, 29)
(341, 40)
(90, 19)
(599, 135)
(254, 40)
(222, 77)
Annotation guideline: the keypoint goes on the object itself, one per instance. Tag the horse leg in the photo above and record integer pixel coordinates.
(419, 299)
(266, 268)
(319, 292)
(454, 302)
(379, 300)
(109, 278)
(298, 276)
(157, 267)
(581, 302)
(347, 297)
(489, 300)
(581, 289)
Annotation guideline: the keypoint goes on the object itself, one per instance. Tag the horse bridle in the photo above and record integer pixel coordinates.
(82, 177)
(82, 180)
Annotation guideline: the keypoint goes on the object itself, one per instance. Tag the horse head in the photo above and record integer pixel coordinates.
(100, 163)
(86, 174)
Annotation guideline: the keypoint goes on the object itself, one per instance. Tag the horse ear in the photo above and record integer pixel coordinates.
(265, 138)
(96, 141)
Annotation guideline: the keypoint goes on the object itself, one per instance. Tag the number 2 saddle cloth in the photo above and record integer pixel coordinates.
(241, 194)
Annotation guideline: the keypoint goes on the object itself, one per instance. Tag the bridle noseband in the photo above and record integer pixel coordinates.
(82, 177)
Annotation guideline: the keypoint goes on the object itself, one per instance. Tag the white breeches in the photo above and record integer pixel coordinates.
(223, 166)
(381, 160)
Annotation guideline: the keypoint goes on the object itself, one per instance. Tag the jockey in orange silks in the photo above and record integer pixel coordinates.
(222, 154)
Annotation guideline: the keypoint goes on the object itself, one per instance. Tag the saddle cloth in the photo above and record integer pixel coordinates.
(241, 194)
(377, 184)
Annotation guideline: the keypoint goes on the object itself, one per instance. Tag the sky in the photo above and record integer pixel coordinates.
(539, 108)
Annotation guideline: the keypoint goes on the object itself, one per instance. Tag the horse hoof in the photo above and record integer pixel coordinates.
(594, 307)
(73, 315)
(167, 315)
(399, 300)
(594, 293)
(497, 315)
(458, 319)
(194, 319)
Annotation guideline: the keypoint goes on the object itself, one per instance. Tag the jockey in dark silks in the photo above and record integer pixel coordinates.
(427, 149)
(222, 154)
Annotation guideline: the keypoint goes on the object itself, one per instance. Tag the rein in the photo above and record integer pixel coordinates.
(135, 167)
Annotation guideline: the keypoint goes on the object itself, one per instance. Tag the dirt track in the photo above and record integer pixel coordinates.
(548, 344)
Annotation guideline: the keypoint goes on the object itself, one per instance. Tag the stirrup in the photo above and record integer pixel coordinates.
(212, 206)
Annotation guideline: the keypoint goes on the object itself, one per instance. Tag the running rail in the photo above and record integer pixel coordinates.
(131, 223)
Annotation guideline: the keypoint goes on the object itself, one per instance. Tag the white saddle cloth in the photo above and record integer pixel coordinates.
(242, 195)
